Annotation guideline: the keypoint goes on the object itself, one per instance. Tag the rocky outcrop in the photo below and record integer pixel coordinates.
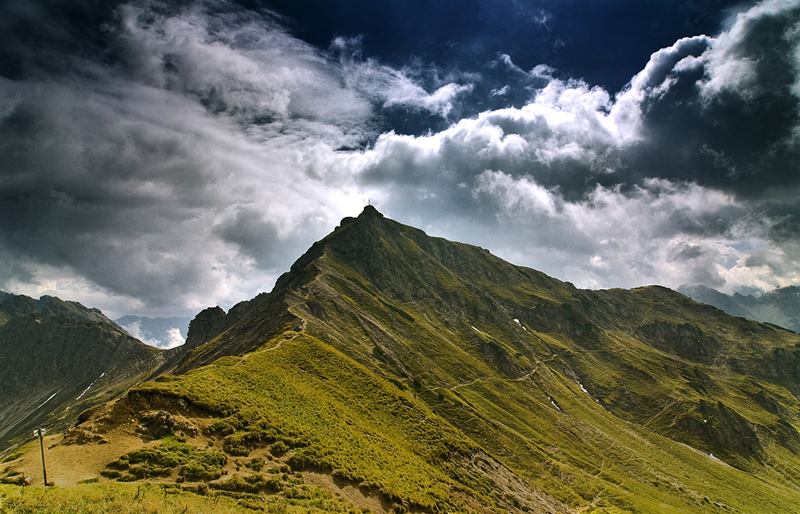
(682, 339)
(213, 321)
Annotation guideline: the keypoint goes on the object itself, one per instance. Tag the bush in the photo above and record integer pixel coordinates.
(161, 460)
(13, 456)
(278, 448)
(256, 464)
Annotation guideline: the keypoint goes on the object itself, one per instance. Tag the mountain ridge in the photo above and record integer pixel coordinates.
(780, 307)
(59, 355)
(438, 377)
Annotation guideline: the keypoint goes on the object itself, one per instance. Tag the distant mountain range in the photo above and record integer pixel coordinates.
(780, 307)
(160, 332)
(393, 372)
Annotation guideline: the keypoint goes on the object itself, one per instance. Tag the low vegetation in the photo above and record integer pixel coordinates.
(191, 463)
(163, 499)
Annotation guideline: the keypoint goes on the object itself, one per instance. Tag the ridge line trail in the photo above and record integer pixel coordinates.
(272, 348)
(485, 379)
(644, 318)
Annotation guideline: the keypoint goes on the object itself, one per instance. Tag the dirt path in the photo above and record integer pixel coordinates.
(273, 348)
(347, 490)
(484, 379)
(69, 464)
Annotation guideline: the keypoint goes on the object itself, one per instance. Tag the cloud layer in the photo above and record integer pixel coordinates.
(185, 154)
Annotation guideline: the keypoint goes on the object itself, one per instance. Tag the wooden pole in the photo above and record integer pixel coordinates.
(41, 445)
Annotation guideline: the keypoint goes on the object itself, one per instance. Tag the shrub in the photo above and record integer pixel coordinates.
(161, 460)
(256, 464)
(278, 448)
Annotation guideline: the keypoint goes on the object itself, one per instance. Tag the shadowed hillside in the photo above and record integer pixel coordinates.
(59, 358)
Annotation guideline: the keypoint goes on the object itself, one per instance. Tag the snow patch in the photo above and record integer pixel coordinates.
(476, 330)
(90, 386)
(583, 388)
(47, 400)
(520, 324)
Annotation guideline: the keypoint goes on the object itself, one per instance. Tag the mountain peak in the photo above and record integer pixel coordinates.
(370, 212)
(450, 380)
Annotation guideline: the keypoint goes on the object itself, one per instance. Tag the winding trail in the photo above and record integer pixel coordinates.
(486, 379)
(273, 348)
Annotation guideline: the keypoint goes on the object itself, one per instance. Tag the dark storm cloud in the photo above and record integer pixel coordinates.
(175, 155)
(255, 236)
(725, 118)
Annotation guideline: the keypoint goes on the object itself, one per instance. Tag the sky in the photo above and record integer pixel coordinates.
(157, 157)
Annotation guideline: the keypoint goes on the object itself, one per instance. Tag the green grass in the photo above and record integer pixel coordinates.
(195, 464)
(151, 499)
(332, 414)
(422, 316)
(443, 378)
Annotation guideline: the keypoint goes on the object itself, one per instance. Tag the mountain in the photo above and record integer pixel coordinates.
(12, 305)
(397, 372)
(158, 332)
(213, 321)
(780, 307)
(59, 358)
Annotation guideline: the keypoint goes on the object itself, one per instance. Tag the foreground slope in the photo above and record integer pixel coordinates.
(433, 376)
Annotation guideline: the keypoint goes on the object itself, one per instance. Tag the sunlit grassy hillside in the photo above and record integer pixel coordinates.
(432, 376)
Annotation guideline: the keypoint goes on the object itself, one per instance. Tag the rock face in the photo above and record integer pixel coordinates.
(213, 321)
(205, 326)
(684, 340)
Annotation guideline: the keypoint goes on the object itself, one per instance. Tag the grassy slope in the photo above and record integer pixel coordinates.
(338, 416)
(580, 453)
(145, 498)
(450, 380)
(468, 363)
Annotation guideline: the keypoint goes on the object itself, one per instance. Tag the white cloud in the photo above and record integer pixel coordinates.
(523, 197)
(500, 91)
(665, 233)
(730, 64)
(197, 168)
(172, 339)
(388, 86)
